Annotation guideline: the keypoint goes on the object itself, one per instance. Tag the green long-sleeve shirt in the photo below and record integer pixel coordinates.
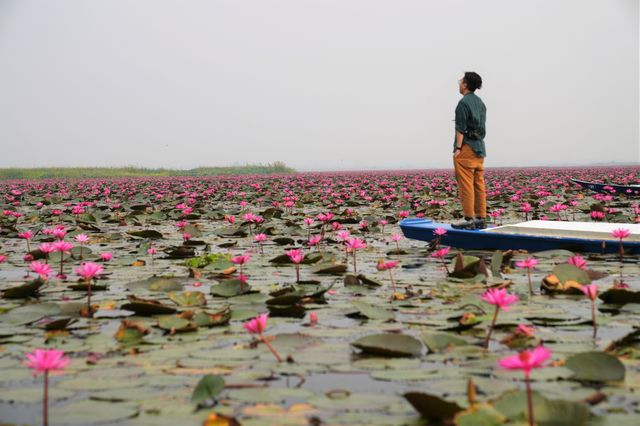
(471, 113)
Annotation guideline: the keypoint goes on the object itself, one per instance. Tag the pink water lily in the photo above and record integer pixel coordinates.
(296, 256)
(64, 248)
(260, 238)
(241, 260)
(89, 271)
(528, 264)
(257, 326)
(43, 270)
(353, 245)
(591, 291)
(106, 256)
(621, 234)
(501, 300)
(526, 361)
(578, 261)
(388, 266)
(42, 361)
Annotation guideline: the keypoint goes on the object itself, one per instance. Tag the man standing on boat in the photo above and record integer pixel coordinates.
(469, 152)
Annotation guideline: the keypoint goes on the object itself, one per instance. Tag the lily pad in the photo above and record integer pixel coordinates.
(440, 341)
(187, 298)
(596, 367)
(372, 312)
(432, 407)
(78, 412)
(207, 389)
(387, 344)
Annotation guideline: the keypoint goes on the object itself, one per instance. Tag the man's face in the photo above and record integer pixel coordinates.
(462, 86)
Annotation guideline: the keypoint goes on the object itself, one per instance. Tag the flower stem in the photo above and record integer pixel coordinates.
(297, 272)
(529, 400)
(493, 323)
(271, 348)
(530, 287)
(593, 318)
(45, 400)
(89, 299)
(355, 269)
(621, 251)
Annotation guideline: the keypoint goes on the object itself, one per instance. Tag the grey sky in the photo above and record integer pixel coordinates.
(320, 85)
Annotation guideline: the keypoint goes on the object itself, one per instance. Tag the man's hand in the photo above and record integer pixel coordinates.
(456, 153)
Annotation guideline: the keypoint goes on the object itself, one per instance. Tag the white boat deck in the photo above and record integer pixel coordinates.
(587, 230)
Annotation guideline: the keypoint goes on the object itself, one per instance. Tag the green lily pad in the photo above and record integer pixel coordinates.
(78, 412)
(596, 367)
(230, 288)
(187, 298)
(432, 407)
(207, 389)
(372, 312)
(440, 341)
(176, 324)
(213, 319)
(389, 345)
(620, 296)
(548, 412)
(30, 289)
(31, 395)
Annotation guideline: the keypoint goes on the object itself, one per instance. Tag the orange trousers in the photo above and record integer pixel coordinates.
(470, 177)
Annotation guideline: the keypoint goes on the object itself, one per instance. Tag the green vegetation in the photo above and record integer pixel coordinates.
(96, 172)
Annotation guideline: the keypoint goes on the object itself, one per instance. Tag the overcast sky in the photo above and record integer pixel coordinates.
(318, 84)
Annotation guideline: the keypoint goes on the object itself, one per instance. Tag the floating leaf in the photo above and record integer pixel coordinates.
(147, 233)
(130, 332)
(389, 345)
(187, 298)
(432, 407)
(30, 289)
(372, 312)
(620, 296)
(596, 367)
(176, 324)
(146, 307)
(438, 341)
(208, 388)
(207, 319)
(230, 288)
(548, 412)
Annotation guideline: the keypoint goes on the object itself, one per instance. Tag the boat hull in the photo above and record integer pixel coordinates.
(421, 229)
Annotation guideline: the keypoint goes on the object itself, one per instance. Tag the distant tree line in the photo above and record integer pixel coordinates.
(276, 167)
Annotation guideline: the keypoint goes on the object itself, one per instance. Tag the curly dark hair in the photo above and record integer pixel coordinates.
(472, 80)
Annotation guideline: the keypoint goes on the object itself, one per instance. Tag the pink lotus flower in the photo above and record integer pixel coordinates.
(336, 226)
(528, 264)
(3, 258)
(230, 219)
(41, 269)
(396, 237)
(46, 248)
(525, 330)
(241, 259)
(315, 241)
(308, 221)
(353, 244)
(620, 233)
(62, 246)
(578, 261)
(82, 238)
(295, 255)
(500, 298)
(439, 232)
(403, 214)
(59, 233)
(383, 266)
(440, 254)
(591, 291)
(27, 235)
(106, 256)
(45, 360)
(343, 235)
(186, 236)
(260, 238)
(257, 325)
(313, 319)
(526, 360)
(152, 251)
(89, 270)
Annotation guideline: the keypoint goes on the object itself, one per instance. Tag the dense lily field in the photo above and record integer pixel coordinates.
(295, 300)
